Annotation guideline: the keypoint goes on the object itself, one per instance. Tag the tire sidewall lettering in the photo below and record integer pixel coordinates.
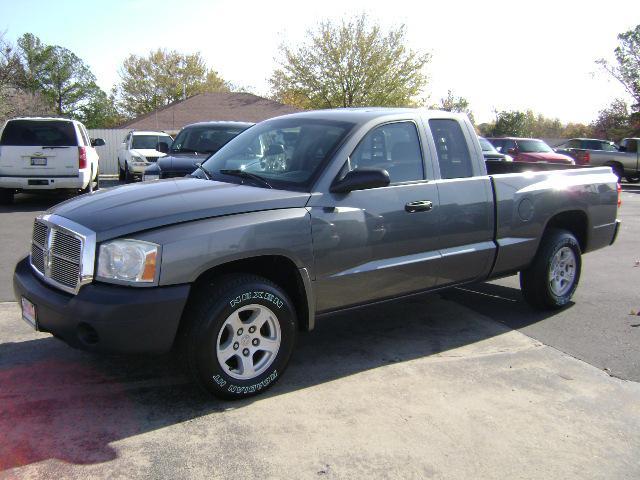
(257, 295)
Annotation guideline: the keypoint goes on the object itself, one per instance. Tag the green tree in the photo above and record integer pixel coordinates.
(451, 103)
(350, 63)
(615, 122)
(510, 123)
(627, 70)
(163, 77)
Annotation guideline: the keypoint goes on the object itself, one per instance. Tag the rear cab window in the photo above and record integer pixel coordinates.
(452, 149)
(44, 133)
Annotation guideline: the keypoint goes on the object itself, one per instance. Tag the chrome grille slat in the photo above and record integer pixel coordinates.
(37, 258)
(57, 255)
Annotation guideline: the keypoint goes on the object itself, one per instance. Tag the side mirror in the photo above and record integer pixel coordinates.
(275, 149)
(361, 179)
(97, 142)
(162, 147)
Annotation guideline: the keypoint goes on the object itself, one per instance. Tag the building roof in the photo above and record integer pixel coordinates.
(210, 106)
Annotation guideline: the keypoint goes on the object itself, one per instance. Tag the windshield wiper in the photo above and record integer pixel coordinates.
(245, 174)
(204, 170)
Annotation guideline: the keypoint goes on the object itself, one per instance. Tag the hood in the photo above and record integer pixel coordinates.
(135, 207)
(146, 152)
(182, 162)
(544, 157)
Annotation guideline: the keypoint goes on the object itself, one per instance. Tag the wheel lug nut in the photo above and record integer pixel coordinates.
(252, 329)
(236, 346)
(240, 331)
(245, 352)
(255, 342)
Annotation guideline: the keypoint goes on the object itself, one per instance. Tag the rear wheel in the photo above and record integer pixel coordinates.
(631, 179)
(238, 335)
(552, 278)
(6, 196)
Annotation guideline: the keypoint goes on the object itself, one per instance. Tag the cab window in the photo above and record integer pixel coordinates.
(452, 149)
(394, 147)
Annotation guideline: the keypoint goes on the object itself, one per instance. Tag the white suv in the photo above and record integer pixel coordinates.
(138, 150)
(46, 154)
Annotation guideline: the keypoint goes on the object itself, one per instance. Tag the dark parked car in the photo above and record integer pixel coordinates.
(194, 144)
(490, 153)
(529, 150)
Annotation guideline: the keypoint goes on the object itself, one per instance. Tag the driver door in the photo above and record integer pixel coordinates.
(372, 244)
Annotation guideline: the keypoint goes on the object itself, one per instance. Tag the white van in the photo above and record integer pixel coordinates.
(138, 150)
(46, 154)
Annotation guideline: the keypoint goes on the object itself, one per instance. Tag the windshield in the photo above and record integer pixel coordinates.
(486, 145)
(287, 152)
(45, 133)
(204, 139)
(533, 146)
(149, 142)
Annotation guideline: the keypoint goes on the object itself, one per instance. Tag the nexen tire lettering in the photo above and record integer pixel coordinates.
(269, 297)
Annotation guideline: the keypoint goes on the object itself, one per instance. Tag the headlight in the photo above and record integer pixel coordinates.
(132, 261)
(508, 158)
(137, 159)
(150, 176)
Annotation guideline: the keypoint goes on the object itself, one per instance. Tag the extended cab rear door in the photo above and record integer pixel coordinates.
(39, 148)
(465, 213)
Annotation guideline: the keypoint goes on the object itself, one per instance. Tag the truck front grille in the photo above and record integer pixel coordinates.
(57, 256)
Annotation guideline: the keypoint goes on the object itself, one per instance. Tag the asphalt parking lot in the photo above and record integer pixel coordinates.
(466, 384)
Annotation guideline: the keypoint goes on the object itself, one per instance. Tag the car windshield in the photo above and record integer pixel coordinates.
(149, 142)
(204, 139)
(287, 152)
(533, 146)
(45, 133)
(486, 145)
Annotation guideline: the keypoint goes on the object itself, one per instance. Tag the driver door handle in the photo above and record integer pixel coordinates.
(418, 206)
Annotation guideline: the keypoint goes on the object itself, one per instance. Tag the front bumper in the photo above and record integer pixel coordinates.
(105, 318)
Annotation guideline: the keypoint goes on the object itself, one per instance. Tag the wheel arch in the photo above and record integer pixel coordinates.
(282, 271)
(574, 221)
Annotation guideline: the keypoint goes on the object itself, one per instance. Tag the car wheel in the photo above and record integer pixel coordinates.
(618, 171)
(120, 173)
(128, 176)
(6, 196)
(552, 278)
(632, 179)
(237, 336)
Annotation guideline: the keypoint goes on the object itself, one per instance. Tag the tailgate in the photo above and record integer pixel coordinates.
(25, 161)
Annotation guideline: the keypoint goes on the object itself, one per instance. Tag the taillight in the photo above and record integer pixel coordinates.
(82, 158)
(583, 157)
(619, 195)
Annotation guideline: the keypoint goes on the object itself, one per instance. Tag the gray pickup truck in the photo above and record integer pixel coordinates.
(623, 160)
(296, 218)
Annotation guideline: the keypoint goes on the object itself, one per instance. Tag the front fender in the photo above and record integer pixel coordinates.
(189, 249)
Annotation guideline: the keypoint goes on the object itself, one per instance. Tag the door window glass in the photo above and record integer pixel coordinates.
(394, 147)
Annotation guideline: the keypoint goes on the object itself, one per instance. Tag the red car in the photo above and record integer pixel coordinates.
(529, 150)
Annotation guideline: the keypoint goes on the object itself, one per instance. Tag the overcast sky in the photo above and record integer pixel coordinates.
(498, 54)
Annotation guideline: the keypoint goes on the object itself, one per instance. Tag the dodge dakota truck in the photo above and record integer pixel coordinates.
(297, 218)
(624, 160)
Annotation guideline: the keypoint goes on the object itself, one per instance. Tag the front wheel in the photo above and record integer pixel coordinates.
(552, 278)
(6, 196)
(238, 335)
(128, 176)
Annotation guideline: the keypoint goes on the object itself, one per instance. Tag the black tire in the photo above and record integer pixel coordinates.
(128, 176)
(97, 178)
(535, 281)
(205, 331)
(120, 173)
(618, 171)
(632, 179)
(6, 196)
